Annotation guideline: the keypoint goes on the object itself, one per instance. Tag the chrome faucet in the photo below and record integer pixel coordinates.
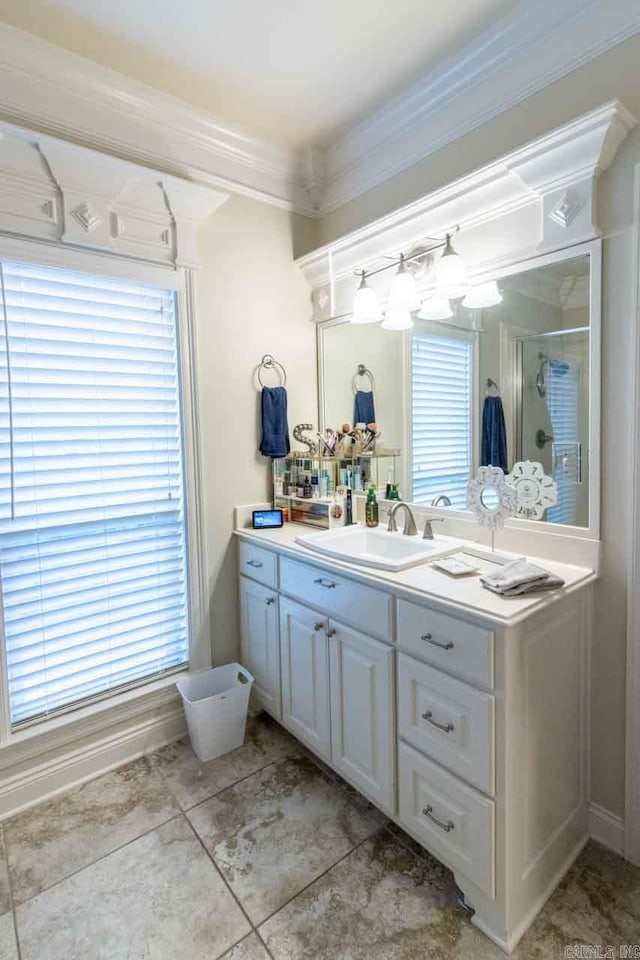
(428, 529)
(441, 499)
(410, 529)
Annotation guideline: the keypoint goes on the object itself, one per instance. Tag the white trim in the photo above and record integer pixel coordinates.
(606, 828)
(632, 791)
(520, 55)
(48, 88)
(86, 758)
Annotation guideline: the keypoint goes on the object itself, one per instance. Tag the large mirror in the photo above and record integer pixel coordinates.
(511, 382)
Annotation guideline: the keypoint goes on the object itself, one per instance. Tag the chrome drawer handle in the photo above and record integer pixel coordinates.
(270, 600)
(318, 626)
(445, 727)
(428, 638)
(254, 563)
(447, 827)
(329, 584)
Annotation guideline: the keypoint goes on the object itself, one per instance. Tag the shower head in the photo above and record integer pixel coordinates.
(559, 367)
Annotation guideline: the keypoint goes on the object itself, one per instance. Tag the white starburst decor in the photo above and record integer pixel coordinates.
(491, 498)
(535, 491)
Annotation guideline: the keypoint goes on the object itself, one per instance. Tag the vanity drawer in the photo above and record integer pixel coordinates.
(456, 646)
(452, 820)
(447, 719)
(258, 563)
(360, 606)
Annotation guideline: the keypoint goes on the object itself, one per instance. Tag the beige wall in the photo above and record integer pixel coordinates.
(251, 300)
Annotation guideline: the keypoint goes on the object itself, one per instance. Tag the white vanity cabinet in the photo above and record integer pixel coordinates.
(305, 675)
(260, 644)
(467, 729)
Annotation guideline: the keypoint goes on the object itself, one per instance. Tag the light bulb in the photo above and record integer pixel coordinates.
(397, 320)
(484, 295)
(437, 308)
(366, 308)
(403, 295)
(451, 274)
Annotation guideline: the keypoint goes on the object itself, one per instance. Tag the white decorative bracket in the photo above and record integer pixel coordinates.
(54, 190)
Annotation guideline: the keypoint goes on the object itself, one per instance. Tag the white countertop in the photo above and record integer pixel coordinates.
(463, 594)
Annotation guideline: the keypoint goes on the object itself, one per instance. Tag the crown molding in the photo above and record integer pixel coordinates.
(60, 192)
(525, 52)
(46, 88)
(538, 198)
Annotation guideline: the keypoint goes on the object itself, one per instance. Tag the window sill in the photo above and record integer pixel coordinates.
(90, 719)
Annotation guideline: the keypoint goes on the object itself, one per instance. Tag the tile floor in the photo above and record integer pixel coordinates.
(260, 854)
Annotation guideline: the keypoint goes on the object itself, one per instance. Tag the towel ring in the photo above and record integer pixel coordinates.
(492, 383)
(362, 371)
(270, 363)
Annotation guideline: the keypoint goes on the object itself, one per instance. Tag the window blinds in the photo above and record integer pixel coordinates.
(562, 403)
(92, 531)
(441, 384)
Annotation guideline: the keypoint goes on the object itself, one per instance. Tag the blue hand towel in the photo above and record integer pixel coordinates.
(494, 435)
(275, 429)
(363, 409)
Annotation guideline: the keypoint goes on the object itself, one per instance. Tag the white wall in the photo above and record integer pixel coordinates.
(251, 300)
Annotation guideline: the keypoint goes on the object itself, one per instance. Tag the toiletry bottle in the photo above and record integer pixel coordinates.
(389, 483)
(315, 487)
(393, 492)
(306, 490)
(349, 508)
(371, 508)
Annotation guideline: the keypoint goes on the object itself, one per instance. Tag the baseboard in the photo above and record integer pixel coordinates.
(42, 779)
(606, 828)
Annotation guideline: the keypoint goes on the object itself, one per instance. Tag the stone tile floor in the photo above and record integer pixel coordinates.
(260, 855)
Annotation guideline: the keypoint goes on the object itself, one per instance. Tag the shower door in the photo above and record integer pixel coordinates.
(553, 421)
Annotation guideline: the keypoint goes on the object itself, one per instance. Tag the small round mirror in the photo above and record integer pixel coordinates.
(490, 498)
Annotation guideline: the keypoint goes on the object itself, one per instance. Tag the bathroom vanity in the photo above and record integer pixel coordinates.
(460, 714)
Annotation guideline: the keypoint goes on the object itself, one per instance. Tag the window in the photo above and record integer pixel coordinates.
(92, 522)
(563, 403)
(441, 416)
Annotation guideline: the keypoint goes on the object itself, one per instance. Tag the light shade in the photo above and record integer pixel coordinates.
(397, 320)
(366, 308)
(483, 295)
(403, 295)
(451, 274)
(437, 308)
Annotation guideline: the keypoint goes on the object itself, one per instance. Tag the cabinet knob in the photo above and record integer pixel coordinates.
(270, 600)
(331, 632)
(318, 626)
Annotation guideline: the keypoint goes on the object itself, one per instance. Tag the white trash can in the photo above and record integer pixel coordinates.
(216, 703)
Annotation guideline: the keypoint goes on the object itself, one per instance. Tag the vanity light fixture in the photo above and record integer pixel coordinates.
(403, 295)
(366, 307)
(483, 295)
(436, 308)
(397, 320)
(451, 273)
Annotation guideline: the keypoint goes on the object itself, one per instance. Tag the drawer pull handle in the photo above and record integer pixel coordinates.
(318, 626)
(329, 584)
(331, 632)
(270, 600)
(445, 727)
(447, 827)
(254, 563)
(427, 637)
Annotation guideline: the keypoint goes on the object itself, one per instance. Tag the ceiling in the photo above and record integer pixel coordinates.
(295, 72)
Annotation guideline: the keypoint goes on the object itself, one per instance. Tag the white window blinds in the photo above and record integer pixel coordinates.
(562, 403)
(441, 429)
(92, 531)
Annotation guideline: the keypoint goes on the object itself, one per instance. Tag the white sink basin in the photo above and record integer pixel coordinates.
(376, 547)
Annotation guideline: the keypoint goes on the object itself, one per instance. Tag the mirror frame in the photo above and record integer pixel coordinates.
(594, 250)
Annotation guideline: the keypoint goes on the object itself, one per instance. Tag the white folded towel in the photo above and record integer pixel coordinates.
(520, 577)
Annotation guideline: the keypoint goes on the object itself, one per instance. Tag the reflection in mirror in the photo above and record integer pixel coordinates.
(490, 499)
(488, 385)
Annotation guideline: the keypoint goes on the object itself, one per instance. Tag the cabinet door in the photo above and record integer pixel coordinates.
(362, 721)
(259, 641)
(305, 675)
